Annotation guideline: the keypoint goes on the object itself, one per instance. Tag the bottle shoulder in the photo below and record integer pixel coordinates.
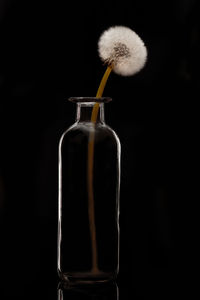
(85, 129)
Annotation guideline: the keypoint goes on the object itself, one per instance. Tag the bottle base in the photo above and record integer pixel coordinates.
(79, 278)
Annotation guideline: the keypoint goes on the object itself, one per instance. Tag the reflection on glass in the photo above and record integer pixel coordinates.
(107, 291)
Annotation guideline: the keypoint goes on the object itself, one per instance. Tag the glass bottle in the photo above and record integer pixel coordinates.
(88, 221)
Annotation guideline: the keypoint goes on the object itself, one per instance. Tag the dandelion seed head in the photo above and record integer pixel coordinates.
(124, 49)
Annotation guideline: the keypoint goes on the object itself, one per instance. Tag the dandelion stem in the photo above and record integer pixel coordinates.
(103, 81)
(91, 208)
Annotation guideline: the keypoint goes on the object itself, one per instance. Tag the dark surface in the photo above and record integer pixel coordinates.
(48, 52)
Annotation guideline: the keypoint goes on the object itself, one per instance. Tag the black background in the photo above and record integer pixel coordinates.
(48, 52)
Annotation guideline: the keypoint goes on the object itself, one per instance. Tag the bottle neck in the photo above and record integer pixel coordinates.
(84, 112)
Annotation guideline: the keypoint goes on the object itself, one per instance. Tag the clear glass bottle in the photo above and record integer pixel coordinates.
(88, 227)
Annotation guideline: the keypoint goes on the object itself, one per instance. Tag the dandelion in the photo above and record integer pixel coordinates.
(125, 53)
(124, 49)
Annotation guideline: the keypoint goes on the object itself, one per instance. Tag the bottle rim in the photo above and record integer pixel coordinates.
(90, 99)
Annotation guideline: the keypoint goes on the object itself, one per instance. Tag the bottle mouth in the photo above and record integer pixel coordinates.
(90, 99)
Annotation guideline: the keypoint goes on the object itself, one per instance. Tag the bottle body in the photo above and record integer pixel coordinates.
(79, 238)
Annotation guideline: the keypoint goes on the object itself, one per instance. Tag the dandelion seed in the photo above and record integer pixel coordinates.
(122, 48)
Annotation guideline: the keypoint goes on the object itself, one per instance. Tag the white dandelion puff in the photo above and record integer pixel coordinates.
(122, 48)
